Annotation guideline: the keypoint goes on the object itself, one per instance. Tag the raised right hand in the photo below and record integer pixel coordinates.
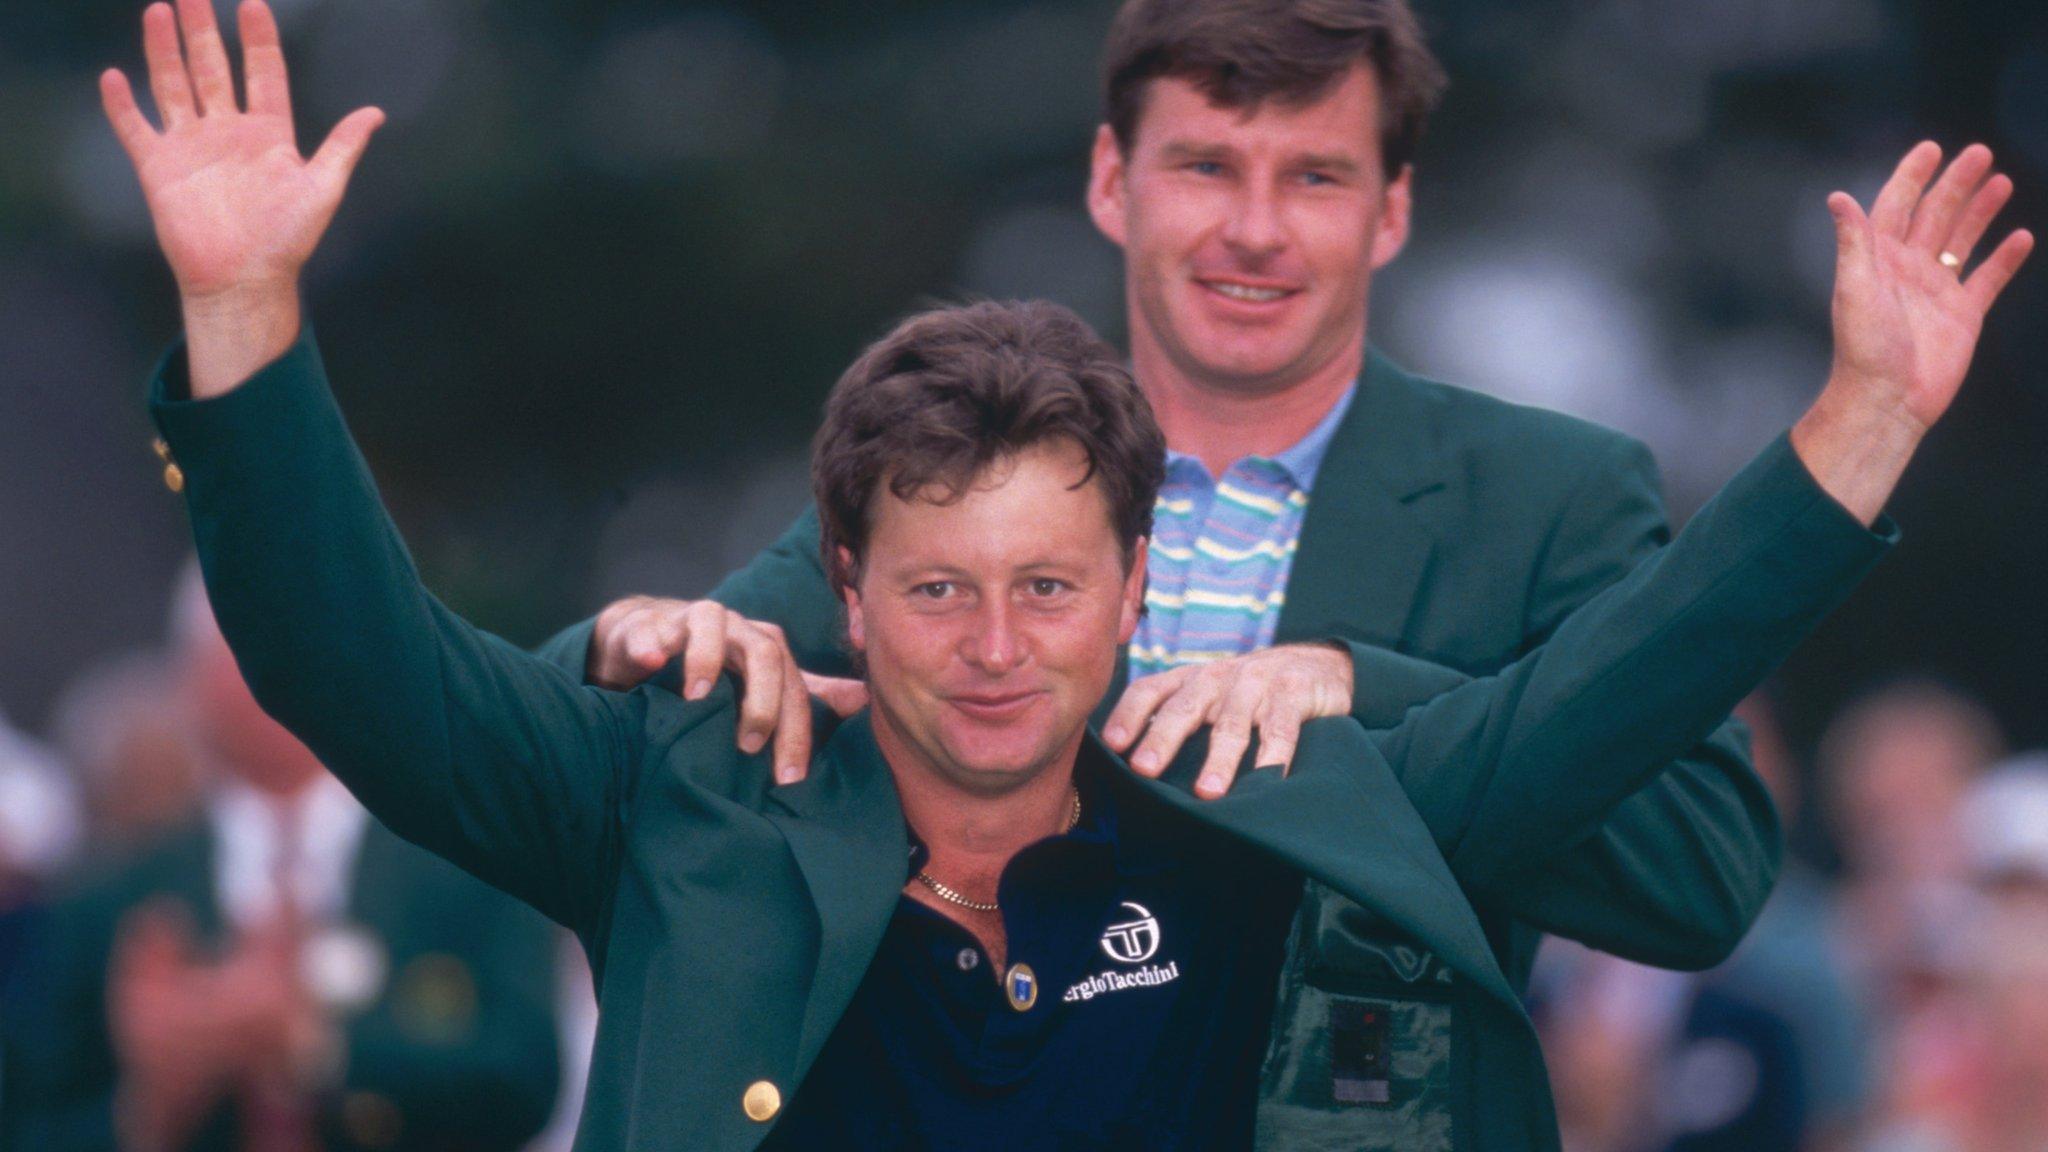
(237, 210)
(635, 637)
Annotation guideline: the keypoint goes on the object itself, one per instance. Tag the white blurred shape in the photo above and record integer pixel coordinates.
(2004, 820)
(1531, 323)
(39, 817)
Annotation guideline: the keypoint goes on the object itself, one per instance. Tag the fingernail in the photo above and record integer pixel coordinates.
(751, 742)
(1116, 735)
(786, 774)
(1147, 760)
(1210, 786)
(699, 689)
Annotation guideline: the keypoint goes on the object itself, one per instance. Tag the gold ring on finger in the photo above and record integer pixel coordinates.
(1951, 261)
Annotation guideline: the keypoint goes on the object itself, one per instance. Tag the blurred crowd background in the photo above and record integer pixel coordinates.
(594, 279)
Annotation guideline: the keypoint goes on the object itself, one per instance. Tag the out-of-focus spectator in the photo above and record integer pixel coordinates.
(1968, 1070)
(1769, 1051)
(1792, 962)
(1643, 1060)
(280, 975)
(124, 728)
(1895, 765)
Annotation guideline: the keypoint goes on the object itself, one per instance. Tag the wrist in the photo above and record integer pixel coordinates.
(1855, 442)
(1871, 401)
(231, 333)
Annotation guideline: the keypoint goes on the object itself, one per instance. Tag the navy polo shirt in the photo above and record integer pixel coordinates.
(1154, 947)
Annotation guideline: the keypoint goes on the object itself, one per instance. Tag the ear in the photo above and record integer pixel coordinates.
(1134, 593)
(856, 627)
(1106, 185)
(1396, 207)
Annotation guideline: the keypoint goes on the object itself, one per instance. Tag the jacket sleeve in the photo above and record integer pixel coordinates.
(457, 740)
(1508, 770)
(785, 585)
(1678, 871)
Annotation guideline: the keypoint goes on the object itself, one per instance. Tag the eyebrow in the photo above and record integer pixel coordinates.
(1178, 150)
(1343, 165)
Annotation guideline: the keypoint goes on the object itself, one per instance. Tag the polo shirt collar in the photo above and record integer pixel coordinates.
(1300, 460)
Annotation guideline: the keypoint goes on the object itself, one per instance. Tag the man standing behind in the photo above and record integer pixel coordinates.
(1255, 168)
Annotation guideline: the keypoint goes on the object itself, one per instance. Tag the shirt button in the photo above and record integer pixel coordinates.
(968, 959)
(762, 1101)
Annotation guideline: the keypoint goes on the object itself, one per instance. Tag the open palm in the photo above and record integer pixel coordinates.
(1906, 319)
(234, 203)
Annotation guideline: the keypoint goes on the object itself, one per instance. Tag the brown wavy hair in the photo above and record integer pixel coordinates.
(1243, 53)
(929, 407)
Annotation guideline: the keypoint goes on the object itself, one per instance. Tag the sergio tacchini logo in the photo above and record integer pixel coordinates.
(1135, 940)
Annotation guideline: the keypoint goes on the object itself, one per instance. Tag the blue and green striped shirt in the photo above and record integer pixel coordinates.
(1221, 551)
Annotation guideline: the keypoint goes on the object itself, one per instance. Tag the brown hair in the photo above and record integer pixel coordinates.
(954, 390)
(1242, 53)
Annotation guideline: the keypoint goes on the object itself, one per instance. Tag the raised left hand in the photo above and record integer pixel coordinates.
(1906, 316)
(1271, 692)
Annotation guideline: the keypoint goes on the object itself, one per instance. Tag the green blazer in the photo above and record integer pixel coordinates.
(728, 922)
(1449, 534)
(458, 1049)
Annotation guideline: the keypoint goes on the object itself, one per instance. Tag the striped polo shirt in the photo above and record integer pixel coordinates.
(1221, 550)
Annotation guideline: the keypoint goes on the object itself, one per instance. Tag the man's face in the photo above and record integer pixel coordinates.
(1250, 238)
(991, 624)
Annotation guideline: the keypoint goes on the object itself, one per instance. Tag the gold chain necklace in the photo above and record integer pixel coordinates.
(952, 895)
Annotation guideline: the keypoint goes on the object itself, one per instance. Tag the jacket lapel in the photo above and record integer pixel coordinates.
(1367, 535)
(844, 825)
(1340, 816)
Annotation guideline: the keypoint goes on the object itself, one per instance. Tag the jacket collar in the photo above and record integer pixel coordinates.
(844, 825)
(1366, 538)
(1341, 817)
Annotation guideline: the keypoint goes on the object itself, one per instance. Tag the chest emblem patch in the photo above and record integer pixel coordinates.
(1134, 940)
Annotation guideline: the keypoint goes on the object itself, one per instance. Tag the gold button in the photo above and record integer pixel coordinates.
(762, 1101)
(174, 476)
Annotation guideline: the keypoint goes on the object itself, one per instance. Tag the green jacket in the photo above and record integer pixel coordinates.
(457, 1049)
(728, 922)
(1449, 534)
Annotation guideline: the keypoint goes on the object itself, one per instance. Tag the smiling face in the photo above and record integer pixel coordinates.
(991, 623)
(1250, 237)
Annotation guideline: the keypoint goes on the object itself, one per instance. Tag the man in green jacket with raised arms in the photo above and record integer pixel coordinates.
(768, 958)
